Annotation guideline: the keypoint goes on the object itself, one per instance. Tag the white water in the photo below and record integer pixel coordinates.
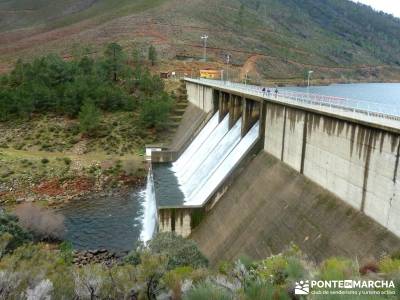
(204, 151)
(205, 190)
(195, 144)
(149, 218)
(212, 161)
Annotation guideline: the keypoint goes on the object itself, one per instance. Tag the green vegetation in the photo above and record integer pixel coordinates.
(52, 85)
(12, 235)
(61, 13)
(157, 270)
(71, 125)
(152, 55)
(279, 40)
(89, 118)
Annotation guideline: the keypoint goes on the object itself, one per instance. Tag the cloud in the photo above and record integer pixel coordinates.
(388, 6)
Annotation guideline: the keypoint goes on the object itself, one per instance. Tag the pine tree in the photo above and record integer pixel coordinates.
(152, 55)
(89, 118)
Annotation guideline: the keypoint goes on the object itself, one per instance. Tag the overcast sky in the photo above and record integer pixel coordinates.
(389, 6)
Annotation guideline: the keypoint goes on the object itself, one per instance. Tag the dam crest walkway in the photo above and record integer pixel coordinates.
(372, 112)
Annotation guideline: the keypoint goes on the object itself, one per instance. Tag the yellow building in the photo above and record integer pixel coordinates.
(210, 74)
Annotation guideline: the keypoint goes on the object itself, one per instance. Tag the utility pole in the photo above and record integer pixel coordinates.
(204, 37)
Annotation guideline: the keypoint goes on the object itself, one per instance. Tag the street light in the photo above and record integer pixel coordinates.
(204, 37)
(228, 59)
(309, 75)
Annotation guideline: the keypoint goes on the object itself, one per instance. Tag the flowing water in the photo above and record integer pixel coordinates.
(195, 144)
(149, 218)
(225, 167)
(114, 222)
(193, 178)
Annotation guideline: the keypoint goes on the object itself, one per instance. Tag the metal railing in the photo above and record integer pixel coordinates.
(331, 103)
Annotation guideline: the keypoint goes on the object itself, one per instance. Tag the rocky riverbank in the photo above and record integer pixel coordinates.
(85, 257)
(55, 192)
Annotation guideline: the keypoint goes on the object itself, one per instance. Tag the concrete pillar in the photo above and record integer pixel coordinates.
(250, 114)
(231, 110)
(246, 115)
(216, 96)
(262, 118)
(223, 105)
(237, 109)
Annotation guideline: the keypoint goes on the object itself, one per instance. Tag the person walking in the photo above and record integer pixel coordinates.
(263, 91)
(276, 92)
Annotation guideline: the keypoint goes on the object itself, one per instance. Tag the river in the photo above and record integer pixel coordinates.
(113, 222)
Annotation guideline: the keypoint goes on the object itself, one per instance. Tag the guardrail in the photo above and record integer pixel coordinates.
(333, 103)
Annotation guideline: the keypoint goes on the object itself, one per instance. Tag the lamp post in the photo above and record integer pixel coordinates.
(309, 76)
(228, 59)
(204, 37)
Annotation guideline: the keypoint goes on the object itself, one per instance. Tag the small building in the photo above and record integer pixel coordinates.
(210, 74)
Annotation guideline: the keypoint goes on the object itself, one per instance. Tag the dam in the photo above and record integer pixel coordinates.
(262, 170)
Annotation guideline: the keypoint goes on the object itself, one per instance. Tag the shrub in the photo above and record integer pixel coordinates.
(173, 280)
(89, 118)
(273, 268)
(66, 252)
(179, 251)
(12, 235)
(389, 265)
(264, 290)
(338, 269)
(45, 161)
(207, 291)
(154, 112)
(67, 161)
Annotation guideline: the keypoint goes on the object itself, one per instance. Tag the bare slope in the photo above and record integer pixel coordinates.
(283, 39)
(270, 205)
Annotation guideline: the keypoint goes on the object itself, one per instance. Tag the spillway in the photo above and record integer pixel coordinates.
(206, 190)
(180, 164)
(204, 165)
(213, 160)
(205, 151)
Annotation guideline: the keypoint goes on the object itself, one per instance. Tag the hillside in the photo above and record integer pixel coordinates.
(281, 40)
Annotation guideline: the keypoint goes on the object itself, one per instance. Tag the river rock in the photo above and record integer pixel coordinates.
(85, 257)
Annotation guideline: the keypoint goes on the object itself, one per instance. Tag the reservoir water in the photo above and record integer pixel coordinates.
(385, 93)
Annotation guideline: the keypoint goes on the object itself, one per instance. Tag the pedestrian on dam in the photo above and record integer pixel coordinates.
(263, 91)
(276, 93)
(268, 92)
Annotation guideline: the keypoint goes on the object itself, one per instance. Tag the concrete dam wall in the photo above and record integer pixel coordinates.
(269, 205)
(357, 162)
(328, 182)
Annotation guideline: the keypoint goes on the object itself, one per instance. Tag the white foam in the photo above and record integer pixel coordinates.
(149, 218)
(202, 194)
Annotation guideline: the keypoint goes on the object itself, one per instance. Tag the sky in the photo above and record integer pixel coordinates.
(388, 6)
